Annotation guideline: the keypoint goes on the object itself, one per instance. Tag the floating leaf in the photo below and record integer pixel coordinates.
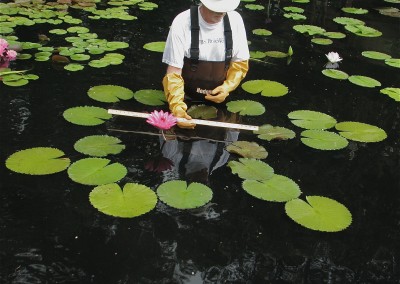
(310, 29)
(157, 46)
(150, 97)
(335, 74)
(202, 111)
(246, 107)
(109, 93)
(133, 200)
(394, 62)
(266, 87)
(352, 10)
(320, 213)
(335, 35)
(86, 115)
(98, 63)
(247, 149)
(276, 54)
(293, 9)
(177, 194)
(99, 145)
(96, 171)
(360, 132)
(375, 55)
(364, 81)
(251, 169)
(322, 41)
(269, 132)
(74, 67)
(393, 93)
(295, 16)
(78, 30)
(309, 119)
(278, 189)
(323, 140)
(257, 54)
(262, 32)
(348, 21)
(16, 83)
(38, 161)
(362, 30)
(80, 57)
(254, 7)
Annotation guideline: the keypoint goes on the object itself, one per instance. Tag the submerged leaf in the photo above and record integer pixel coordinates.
(38, 161)
(278, 188)
(247, 149)
(133, 200)
(323, 140)
(99, 145)
(309, 119)
(202, 111)
(251, 169)
(360, 132)
(177, 194)
(320, 213)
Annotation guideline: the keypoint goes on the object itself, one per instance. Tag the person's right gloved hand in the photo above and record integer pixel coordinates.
(175, 92)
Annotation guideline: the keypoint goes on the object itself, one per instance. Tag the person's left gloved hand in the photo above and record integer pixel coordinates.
(236, 72)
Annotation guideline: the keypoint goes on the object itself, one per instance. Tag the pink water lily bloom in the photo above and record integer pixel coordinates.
(333, 57)
(11, 55)
(161, 120)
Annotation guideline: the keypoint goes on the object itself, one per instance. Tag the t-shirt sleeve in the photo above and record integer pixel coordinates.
(175, 45)
(240, 45)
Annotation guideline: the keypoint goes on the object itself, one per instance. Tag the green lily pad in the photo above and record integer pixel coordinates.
(295, 16)
(276, 54)
(246, 107)
(309, 29)
(252, 169)
(348, 21)
(293, 9)
(254, 7)
(364, 81)
(58, 31)
(109, 93)
(266, 87)
(323, 140)
(178, 195)
(269, 132)
(393, 93)
(375, 55)
(247, 149)
(202, 111)
(322, 41)
(38, 161)
(334, 35)
(99, 145)
(86, 115)
(360, 132)
(150, 97)
(98, 63)
(257, 54)
(131, 201)
(335, 74)
(80, 57)
(394, 62)
(277, 189)
(78, 30)
(320, 213)
(262, 32)
(362, 30)
(352, 10)
(16, 83)
(309, 119)
(96, 171)
(74, 67)
(157, 46)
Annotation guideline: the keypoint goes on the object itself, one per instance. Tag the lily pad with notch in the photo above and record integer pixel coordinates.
(150, 97)
(361, 132)
(319, 213)
(323, 140)
(364, 81)
(86, 115)
(393, 93)
(335, 74)
(202, 111)
(247, 149)
(309, 119)
(131, 201)
(157, 46)
(99, 145)
(246, 107)
(375, 55)
(266, 87)
(179, 195)
(109, 93)
(269, 132)
(252, 169)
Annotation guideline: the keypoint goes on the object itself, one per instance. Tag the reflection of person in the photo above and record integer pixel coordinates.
(207, 55)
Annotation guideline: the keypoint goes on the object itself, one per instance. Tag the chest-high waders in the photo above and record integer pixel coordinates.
(201, 76)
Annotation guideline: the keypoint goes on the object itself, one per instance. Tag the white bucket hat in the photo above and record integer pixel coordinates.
(221, 6)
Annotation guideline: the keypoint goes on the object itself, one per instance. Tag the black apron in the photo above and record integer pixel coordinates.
(201, 77)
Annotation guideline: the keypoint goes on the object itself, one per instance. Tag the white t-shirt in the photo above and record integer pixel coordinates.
(211, 40)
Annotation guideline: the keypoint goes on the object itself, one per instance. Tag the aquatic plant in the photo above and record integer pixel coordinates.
(162, 120)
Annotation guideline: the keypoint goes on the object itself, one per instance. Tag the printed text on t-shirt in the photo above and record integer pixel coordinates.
(210, 40)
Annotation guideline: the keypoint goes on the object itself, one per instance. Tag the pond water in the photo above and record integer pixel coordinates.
(50, 233)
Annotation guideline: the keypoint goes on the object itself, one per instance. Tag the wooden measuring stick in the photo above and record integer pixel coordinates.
(196, 121)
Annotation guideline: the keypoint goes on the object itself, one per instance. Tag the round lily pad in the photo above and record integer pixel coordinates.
(364, 81)
(131, 201)
(362, 30)
(178, 195)
(38, 161)
(319, 213)
(323, 140)
(86, 115)
(150, 97)
(262, 32)
(109, 93)
(251, 169)
(393, 93)
(99, 145)
(157, 46)
(309, 119)
(322, 41)
(202, 111)
(246, 107)
(309, 29)
(74, 67)
(247, 149)
(360, 132)
(276, 54)
(375, 55)
(269, 132)
(278, 188)
(335, 74)
(96, 171)
(394, 62)
(266, 87)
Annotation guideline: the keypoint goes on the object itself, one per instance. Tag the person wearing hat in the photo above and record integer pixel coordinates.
(207, 55)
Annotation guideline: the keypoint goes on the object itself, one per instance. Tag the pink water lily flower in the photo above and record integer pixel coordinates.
(11, 55)
(161, 120)
(333, 57)
(3, 46)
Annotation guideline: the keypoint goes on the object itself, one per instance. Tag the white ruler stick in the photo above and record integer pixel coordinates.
(196, 121)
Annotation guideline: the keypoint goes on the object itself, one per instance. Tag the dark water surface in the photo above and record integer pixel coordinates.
(51, 234)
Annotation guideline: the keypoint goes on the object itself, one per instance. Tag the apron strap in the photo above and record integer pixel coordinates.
(228, 41)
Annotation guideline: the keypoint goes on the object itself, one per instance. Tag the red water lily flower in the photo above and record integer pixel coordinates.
(161, 120)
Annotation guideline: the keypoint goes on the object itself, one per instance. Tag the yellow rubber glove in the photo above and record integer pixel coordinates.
(174, 92)
(236, 72)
